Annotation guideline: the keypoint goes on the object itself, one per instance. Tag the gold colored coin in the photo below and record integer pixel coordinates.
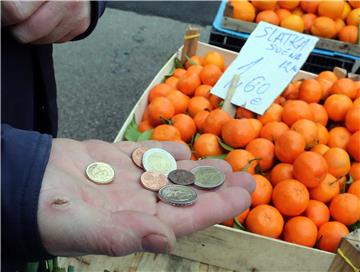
(159, 161)
(100, 172)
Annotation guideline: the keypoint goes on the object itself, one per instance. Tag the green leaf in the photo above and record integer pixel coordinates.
(71, 268)
(246, 167)
(354, 226)
(132, 132)
(225, 146)
(170, 74)
(190, 60)
(178, 63)
(221, 104)
(238, 225)
(350, 180)
(146, 135)
(32, 267)
(193, 139)
(221, 157)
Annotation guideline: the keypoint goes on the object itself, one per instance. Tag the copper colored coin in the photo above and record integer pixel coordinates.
(137, 155)
(153, 181)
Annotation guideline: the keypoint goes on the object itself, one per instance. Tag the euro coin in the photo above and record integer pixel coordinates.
(178, 195)
(181, 177)
(208, 177)
(100, 172)
(153, 181)
(159, 161)
(137, 156)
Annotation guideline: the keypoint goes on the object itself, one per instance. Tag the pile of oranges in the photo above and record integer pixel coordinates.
(324, 18)
(303, 152)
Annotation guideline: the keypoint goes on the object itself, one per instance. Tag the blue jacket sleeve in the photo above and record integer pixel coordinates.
(24, 156)
(97, 9)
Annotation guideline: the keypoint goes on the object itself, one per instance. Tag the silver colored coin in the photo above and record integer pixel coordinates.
(178, 195)
(208, 177)
(181, 177)
(100, 172)
(158, 160)
(153, 181)
(137, 156)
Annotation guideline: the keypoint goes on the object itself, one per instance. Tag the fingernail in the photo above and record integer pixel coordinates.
(155, 243)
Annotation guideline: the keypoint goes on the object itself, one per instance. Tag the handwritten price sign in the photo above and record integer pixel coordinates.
(267, 63)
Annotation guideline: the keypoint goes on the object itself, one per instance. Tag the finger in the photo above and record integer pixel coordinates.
(178, 150)
(242, 179)
(15, 12)
(127, 147)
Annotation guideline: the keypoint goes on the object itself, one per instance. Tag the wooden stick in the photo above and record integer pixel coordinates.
(228, 106)
(191, 39)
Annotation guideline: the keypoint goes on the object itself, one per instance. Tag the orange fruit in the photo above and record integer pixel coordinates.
(344, 86)
(165, 133)
(239, 159)
(327, 189)
(267, 16)
(172, 82)
(242, 216)
(292, 90)
(238, 132)
(273, 130)
(282, 13)
(265, 220)
(198, 103)
(323, 134)
(330, 235)
(345, 208)
(264, 4)
(244, 11)
(215, 121)
(215, 101)
(203, 90)
(308, 19)
(337, 105)
(340, 24)
(309, 6)
(326, 79)
(339, 137)
(280, 172)
(263, 191)
(289, 146)
(272, 114)
(289, 5)
(353, 146)
(188, 83)
(144, 126)
(300, 230)
(263, 149)
(357, 101)
(257, 125)
(338, 161)
(308, 129)
(354, 3)
(319, 113)
(318, 212)
(349, 34)
(355, 170)
(346, 11)
(295, 110)
(179, 72)
(210, 74)
(158, 90)
(194, 60)
(298, 11)
(332, 9)
(290, 197)
(213, 57)
(186, 126)
(207, 145)
(243, 113)
(310, 168)
(355, 188)
(160, 109)
(354, 17)
(320, 148)
(293, 22)
(310, 91)
(199, 119)
(196, 69)
(229, 222)
(324, 27)
(179, 100)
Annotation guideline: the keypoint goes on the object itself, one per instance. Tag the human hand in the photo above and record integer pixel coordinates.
(44, 22)
(78, 217)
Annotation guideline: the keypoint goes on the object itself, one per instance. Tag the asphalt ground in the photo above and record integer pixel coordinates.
(100, 78)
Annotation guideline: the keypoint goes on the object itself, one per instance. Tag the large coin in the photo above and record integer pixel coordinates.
(153, 181)
(178, 195)
(159, 161)
(100, 172)
(181, 177)
(137, 155)
(208, 177)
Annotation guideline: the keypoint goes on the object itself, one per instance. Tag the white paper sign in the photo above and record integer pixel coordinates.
(267, 62)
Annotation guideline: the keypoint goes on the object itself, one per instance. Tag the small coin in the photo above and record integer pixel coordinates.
(137, 156)
(181, 177)
(208, 177)
(178, 195)
(100, 172)
(153, 181)
(158, 160)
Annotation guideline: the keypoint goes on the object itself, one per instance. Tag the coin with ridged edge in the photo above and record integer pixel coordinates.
(137, 156)
(158, 160)
(181, 177)
(153, 181)
(208, 177)
(178, 195)
(100, 172)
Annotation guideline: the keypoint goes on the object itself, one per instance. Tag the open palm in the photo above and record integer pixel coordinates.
(78, 217)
